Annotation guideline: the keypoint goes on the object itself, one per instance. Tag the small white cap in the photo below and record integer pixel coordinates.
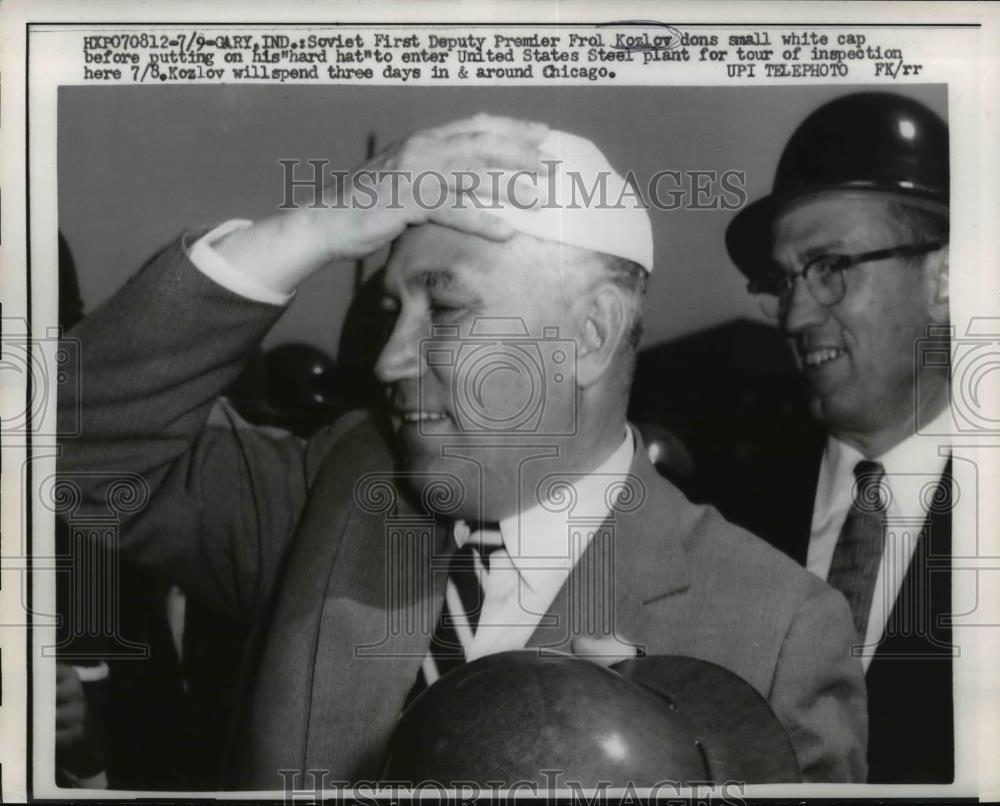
(585, 203)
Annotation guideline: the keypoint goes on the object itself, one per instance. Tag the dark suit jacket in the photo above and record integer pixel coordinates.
(909, 681)
(342, 579)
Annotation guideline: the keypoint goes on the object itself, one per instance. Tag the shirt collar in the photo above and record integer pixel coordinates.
(916, 456)
(538, 540)
(920, 452)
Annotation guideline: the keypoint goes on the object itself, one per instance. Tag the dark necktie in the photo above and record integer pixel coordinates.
(856, 559)
(463, 603)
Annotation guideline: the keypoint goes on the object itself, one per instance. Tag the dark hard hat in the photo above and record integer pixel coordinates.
(867, 141)
(508, 717)
(300, 377)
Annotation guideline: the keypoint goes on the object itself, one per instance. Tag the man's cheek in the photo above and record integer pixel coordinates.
(505, 393)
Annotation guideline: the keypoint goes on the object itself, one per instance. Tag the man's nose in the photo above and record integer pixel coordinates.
(400, 358)
(801, 310)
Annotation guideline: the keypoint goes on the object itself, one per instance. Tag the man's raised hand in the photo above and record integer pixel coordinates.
(450, 159)
(368, 208)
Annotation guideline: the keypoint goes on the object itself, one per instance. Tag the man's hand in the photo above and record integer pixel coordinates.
(470, 146)
(366, 210)
(78, 749)
(71, 707)
(604, 651)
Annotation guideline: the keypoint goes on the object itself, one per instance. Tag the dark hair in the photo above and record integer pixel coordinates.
(919, 224)
(633, 279)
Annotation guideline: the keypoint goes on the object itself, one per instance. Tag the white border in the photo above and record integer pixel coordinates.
(974, 90)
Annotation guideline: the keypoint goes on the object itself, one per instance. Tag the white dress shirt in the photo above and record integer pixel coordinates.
(538, 553)
(913, 470)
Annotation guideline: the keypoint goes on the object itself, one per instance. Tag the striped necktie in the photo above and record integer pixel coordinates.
(465, 593)
(858, 554)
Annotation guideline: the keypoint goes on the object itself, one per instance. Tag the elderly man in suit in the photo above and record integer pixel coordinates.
(342, 551)
(849, 255)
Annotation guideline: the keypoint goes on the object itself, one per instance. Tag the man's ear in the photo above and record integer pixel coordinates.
(936, 268)
(602, 332)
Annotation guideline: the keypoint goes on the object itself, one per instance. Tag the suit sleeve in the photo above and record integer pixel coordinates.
(819, 691)
(219, 498)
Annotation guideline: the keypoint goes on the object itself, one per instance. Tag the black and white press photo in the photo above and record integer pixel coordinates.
(562, 409)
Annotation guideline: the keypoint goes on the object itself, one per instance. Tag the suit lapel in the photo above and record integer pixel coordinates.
(383, 600)
(634, 560)
(925, 594)
(799, 507)
(913, 664)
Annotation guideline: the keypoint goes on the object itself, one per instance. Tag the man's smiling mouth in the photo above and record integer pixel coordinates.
(417, 416)
(820, 356)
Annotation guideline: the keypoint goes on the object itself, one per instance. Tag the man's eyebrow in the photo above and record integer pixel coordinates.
(821, 249)
(437, 280)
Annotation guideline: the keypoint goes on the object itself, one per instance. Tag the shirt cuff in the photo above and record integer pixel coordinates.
(92, 674)
(99, 780)
(218, 269)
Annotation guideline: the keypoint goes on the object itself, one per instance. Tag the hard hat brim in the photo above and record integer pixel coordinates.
(749, 235)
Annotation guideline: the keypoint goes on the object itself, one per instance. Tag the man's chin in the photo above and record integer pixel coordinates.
(417, 456)
(420, 463)
(425, 442)
(839, 412)
(439, 487)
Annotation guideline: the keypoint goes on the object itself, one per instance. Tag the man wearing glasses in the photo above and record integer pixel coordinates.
(849, 256)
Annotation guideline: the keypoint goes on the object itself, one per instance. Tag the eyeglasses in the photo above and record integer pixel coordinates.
(824, 277)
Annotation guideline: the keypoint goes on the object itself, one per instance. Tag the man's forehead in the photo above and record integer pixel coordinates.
(438, 255)
(831, 221)
(439, 258)
(430, 236)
